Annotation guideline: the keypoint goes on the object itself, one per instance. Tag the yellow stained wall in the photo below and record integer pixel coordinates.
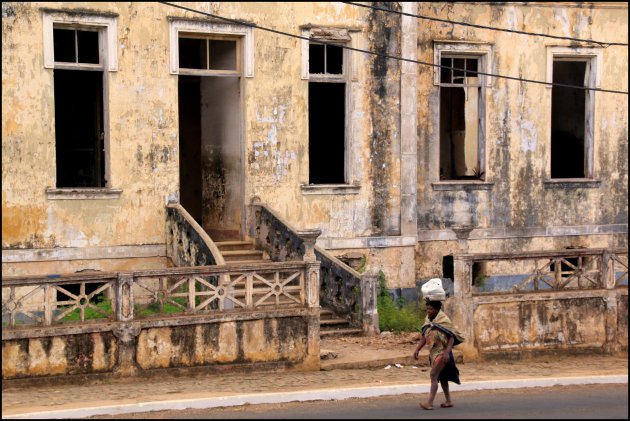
(518, 206)
(142, 109)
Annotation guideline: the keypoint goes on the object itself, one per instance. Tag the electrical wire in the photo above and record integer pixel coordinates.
(275, 31)
(605, 44)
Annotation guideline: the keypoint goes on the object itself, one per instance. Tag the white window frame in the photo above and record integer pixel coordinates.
(467, 49)
(107, 28)
(246, 33)
(483, 52)
(350, 74)
(108, 34)
(593, 56)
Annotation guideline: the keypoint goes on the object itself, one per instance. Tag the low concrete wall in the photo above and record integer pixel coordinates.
(285, 339)
(532, 323)
(565, 315)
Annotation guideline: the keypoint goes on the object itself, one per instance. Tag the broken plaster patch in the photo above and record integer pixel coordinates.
(529, 136)
(72, 236)
(268, 148)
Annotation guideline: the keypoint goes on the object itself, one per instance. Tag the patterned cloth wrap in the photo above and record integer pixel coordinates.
(437, 334)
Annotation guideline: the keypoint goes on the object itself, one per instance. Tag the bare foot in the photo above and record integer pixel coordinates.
(446, 405)
(425, 406)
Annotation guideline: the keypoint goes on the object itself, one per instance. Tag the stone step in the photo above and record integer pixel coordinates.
(330, 322)
(344, 332)
(242, 256)
(325, 314)
(234, 245)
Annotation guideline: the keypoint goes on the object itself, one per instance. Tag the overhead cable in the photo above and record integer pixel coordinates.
(492, 28)
(275, 31)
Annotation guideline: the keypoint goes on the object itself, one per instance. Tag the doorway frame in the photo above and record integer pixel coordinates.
(215, 29)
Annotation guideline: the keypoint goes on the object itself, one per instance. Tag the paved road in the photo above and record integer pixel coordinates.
(597, 401)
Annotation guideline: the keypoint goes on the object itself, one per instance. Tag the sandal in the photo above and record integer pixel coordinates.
(446, 405)
(425, 406)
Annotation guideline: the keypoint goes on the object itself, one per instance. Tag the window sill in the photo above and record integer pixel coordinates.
(462, 185)
(572, 183)
(82, 193)
(334, 189)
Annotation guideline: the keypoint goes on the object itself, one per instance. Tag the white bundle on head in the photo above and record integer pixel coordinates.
(433, 290)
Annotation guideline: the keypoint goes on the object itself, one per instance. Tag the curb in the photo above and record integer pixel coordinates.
(309, 395)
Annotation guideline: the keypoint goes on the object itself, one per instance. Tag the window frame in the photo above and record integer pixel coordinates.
(238, 71)
(593, 56)
(212, 30)
(483, 52)
(106, 26)
(340, 37)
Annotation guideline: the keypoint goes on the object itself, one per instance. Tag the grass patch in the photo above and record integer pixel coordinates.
(153, 308)
(105, 305)
(396, 315)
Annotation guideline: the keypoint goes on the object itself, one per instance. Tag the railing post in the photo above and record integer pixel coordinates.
(312, 269)
(369, 316)
(608, 282)
(49, 299)
(608, 272)
(309, 237)
(124, 297)
(461, 306)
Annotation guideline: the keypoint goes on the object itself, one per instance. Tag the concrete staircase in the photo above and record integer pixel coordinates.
(245, 252)
(332, 325)
(241, 252)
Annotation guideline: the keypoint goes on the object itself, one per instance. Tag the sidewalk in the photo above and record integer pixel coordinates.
(342, 377)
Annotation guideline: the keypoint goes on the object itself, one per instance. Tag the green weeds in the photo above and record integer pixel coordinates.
(396, 315)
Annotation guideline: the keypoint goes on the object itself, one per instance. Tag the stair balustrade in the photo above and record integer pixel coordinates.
(348, 293)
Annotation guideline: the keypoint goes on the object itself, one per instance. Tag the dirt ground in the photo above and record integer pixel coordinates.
(386, 340)
(396, 346)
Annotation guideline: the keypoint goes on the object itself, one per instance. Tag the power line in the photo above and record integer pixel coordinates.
(275, 31)
(605, 44)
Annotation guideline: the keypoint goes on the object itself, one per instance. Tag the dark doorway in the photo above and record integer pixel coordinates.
(211, 178)
(190, 145)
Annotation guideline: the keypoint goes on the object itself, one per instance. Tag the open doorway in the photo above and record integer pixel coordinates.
(211, 176)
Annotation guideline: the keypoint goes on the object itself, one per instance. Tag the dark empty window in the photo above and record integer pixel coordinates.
(79, 127)
(568, 109)
(327, 114)
(325, 59)
(76, 46)
(460, 111)
(326, 103)
(207, 54)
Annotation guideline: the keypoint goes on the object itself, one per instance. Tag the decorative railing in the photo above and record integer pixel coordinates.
(187, 243)
(557, 270)
(342, 289)
(126, 296)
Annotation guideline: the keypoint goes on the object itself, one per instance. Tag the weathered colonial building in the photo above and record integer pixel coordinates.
(408, 148)
(178, 106)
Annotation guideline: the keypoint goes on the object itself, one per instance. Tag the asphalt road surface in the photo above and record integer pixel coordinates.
(599, 401)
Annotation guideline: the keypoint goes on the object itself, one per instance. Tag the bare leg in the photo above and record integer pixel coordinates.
(436, 368)
(447, 395)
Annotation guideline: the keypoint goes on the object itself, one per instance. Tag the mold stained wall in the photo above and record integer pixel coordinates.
(518, 206)
(276, 122)
(143, 126)
(141, 105)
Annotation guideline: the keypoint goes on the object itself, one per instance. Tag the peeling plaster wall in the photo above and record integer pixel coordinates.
(142, 109)
(518, 212)
(141, 104)
(277, 123)
(541, 325)
(59, 355)
(268, 342)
